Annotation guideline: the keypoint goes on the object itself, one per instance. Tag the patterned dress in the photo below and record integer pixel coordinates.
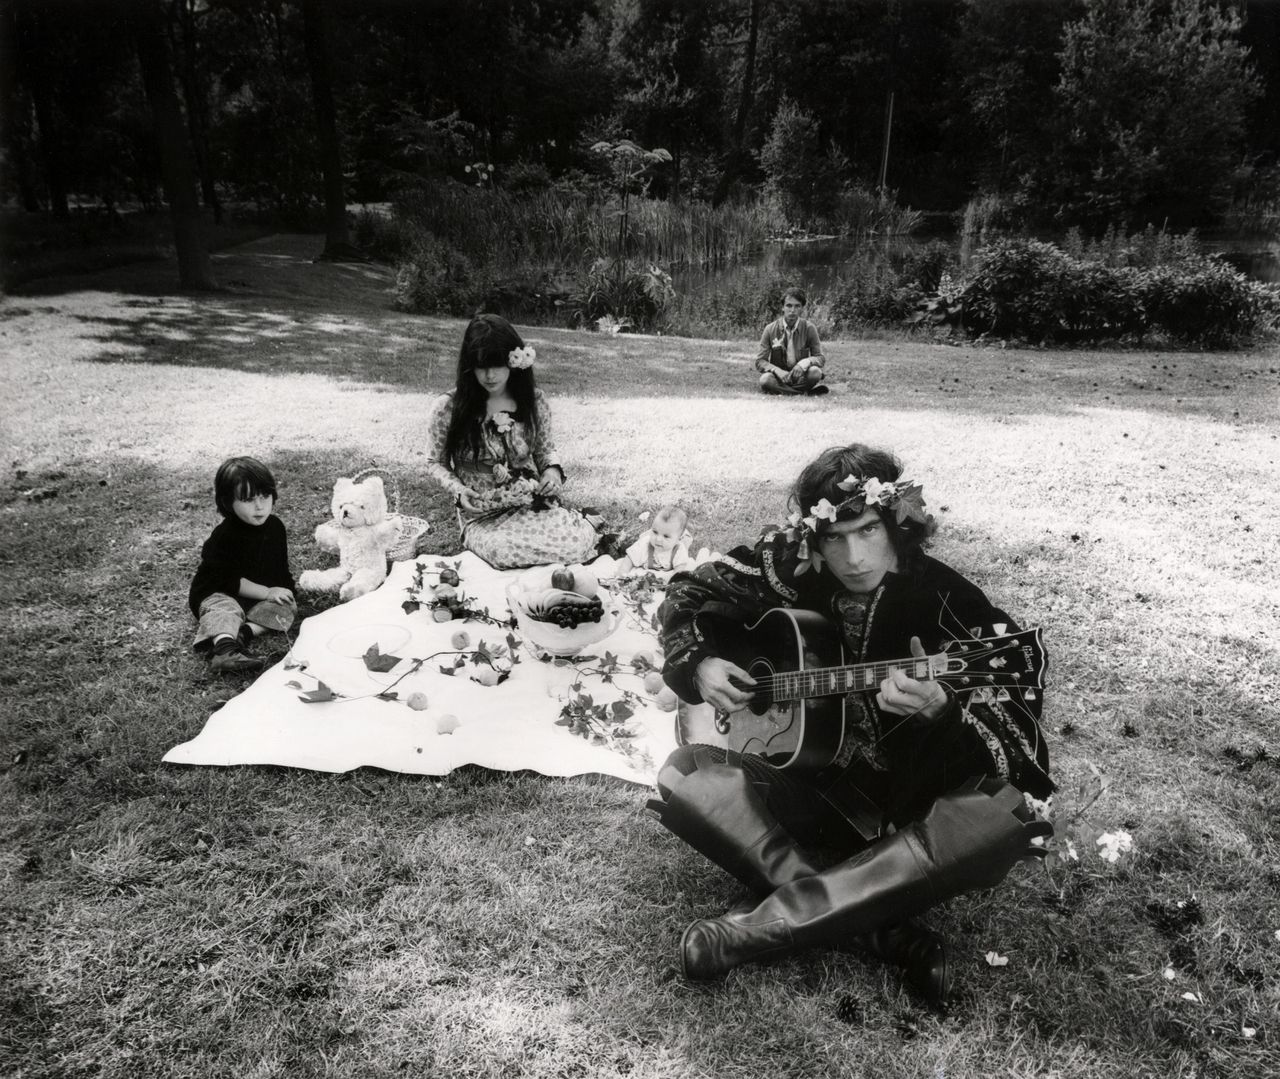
(510, 536)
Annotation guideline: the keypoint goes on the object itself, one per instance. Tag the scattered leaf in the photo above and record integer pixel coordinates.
(293, 685)
(379, 661)
(388, 695)
(410, 605)
(318, 695)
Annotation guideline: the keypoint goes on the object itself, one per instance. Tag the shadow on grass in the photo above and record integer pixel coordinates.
(384, 895)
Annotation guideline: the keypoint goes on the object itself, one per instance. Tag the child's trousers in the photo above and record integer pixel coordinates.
(220, 613)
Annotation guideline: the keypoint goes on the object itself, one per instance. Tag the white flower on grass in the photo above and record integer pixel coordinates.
(644, 516)
(1248, 1032)
(1193, 997)
(1071, 851)
(1113, 844)
(995, 959)
(1169, 974)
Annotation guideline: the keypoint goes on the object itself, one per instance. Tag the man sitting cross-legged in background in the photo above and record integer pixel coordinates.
(918, 796)
(790, 357)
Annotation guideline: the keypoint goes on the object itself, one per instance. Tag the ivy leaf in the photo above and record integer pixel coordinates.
(318, 695)
(482, 652)
(447, 670)
(293, 685)
(911, 504)
(410, 605)
(388, 695)
(378, 661)
(512, 643)
(622, 710)
(459, 661)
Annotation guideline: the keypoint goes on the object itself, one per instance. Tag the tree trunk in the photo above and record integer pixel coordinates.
(15, 114)
(36, 56)
(195, 270)
(734, 162)
(337, 244)
(193, 94)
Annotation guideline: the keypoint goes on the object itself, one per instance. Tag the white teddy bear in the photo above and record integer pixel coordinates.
(361, 534)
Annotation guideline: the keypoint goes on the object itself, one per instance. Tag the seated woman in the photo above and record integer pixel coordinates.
(491, 447)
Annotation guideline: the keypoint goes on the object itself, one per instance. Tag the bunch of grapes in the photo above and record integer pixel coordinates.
(571, 615)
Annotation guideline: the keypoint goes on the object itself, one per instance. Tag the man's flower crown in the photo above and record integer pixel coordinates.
(521, 357)
(904, 497)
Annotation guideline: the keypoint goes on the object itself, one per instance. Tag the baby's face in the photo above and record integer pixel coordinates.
(663, 534)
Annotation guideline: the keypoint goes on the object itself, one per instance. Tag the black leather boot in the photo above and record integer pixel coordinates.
(970, 839)
(922, 955)
(717, 811)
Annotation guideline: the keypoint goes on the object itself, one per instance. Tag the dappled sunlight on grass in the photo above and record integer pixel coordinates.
(491, 923)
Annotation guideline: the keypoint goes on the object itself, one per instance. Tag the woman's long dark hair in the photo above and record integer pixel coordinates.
(487, 342)
(819, 480)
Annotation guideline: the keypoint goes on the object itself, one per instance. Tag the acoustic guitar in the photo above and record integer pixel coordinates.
(796, 718)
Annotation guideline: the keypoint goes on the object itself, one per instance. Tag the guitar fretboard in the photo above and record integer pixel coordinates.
(829, 681)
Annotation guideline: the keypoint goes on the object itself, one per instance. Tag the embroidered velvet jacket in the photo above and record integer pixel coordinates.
(1000, 732)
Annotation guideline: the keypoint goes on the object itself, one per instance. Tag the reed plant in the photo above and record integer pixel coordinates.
(565, 229)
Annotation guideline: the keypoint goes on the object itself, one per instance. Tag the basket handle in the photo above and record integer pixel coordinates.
(386, 475)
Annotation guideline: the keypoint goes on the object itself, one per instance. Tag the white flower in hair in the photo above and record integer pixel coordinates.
(824, 510)
(522, 357)
(875, 491)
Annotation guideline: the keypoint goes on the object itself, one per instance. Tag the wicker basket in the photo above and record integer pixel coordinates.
(410, 529)
(559, 640)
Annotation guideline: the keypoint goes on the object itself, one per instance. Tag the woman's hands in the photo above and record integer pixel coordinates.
(902, 695)
(469, 500)
(551, 481)
(722, 684)
(280, 595)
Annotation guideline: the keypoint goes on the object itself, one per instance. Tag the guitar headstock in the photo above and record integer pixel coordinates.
(1010, 661)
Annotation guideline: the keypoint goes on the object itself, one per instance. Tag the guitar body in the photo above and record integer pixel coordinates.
(796, 718)
(805, 733)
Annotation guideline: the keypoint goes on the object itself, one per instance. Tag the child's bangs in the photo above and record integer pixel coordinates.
(250, 487)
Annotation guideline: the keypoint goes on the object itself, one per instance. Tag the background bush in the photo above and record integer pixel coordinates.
(1034, 291)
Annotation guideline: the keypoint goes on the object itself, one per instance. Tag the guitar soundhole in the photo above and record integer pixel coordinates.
(763, 674)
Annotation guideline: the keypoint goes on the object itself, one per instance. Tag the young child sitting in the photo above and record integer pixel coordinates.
(242, 586)
(664, 547)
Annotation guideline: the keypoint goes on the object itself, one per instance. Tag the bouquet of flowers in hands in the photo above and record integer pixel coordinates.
(516, 488)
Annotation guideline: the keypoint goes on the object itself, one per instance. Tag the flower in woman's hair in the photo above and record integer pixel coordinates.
(502, 422)
(501, 474)
(520, 358)
(810, 524)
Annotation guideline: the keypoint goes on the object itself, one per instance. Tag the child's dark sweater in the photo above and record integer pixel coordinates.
(235, 550)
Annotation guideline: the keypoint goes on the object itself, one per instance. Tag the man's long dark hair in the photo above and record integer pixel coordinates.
(488, 341)
(819, 479)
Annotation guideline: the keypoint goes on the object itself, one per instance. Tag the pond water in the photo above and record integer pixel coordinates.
(817, 264)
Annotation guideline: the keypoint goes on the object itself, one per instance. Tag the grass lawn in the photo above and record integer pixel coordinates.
(259, 922)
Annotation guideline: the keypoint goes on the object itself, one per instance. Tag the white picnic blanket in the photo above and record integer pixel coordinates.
(509, 726)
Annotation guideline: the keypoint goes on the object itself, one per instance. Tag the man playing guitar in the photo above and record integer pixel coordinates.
(935, 727)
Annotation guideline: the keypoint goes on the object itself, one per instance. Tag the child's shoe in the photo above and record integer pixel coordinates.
(229, 656)
(234, 662)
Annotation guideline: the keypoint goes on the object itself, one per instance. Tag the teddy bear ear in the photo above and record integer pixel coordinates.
(375, 482)
(342, 485)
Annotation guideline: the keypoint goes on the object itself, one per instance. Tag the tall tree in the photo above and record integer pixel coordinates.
(1154, 98)
(735, 159)
(315, 20)
(195, 270)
